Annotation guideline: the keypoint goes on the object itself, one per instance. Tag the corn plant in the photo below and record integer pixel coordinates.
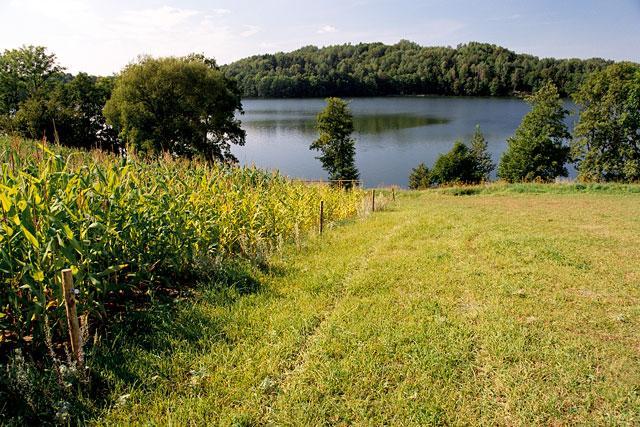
(125, 224)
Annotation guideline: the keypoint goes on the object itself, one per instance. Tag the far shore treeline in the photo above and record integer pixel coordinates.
(405, 68)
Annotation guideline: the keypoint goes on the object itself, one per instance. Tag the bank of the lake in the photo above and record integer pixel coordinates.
(393, 134)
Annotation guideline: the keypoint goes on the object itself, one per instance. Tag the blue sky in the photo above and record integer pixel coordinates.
(102, 36)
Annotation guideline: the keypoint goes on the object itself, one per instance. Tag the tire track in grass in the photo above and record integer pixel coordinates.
(355, 270)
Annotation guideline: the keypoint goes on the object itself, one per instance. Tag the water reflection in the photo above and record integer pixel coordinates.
(363, 124)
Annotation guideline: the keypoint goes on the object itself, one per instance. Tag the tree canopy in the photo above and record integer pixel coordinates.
(38, 100)
(538, 151)
(337, 148)
(607, 136)
(405, 68)
(70, 113)
(184, 106)
(24, 73)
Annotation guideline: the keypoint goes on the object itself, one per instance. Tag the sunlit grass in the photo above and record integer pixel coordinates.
(513, 310)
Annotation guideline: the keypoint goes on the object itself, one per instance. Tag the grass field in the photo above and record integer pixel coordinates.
(504, 308)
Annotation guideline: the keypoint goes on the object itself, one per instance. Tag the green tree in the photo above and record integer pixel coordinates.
(607, 143)
(185, 106)
(43, 115)
(456, 166)
(37, 100)
(69, 113)
(462, 164)
(483, 163)
(337, 147)
(538, 149)
(86, 96)
(420, 177)
(24, 73)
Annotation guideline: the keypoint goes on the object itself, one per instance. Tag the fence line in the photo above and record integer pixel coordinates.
(341, 182)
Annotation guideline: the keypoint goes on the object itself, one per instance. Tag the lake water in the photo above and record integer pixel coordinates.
(393, 134)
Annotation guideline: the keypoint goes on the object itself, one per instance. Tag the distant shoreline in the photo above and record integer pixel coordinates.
(377, 69)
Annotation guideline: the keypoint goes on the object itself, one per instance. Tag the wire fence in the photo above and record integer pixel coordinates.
(336, 182)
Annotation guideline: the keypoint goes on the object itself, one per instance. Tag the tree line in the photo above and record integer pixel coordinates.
(405, 68)
(604, 146)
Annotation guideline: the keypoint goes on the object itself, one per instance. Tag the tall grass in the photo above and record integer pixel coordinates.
(125, 225)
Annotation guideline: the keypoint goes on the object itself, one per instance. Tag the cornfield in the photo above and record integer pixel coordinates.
(125, 224)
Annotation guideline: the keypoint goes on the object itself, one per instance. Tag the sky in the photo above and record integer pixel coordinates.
(100, 37)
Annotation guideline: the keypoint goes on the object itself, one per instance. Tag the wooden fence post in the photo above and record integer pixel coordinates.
(321, 215)
(72, 316)
(373, 200)
(393, 193)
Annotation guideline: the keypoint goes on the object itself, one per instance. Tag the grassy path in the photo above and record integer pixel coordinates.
(489, 309)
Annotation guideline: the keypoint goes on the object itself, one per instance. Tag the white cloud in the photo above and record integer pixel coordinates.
(64, 10)
(94, 36)
(164, 17)
(327, 29)
(221, 12)
(250, 30)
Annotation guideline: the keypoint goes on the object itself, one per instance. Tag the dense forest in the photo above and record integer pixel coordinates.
(405, 68)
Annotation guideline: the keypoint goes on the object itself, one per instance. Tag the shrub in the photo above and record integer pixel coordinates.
(456, 166)
(483, 163)
(419, 177)
(460, 165)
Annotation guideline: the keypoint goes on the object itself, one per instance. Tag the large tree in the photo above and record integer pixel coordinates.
(337, 147)
(607, 143)
(184, 106)
(538, 150)
(25, 72)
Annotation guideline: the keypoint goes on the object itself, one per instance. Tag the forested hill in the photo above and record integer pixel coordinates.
(404, 68)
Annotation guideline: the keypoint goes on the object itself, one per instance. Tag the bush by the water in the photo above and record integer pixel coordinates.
(461, 165)
(419, 177)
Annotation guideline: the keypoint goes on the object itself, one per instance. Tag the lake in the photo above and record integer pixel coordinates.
(393, 134)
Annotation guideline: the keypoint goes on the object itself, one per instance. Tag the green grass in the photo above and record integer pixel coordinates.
(513, 310)
(534, 188)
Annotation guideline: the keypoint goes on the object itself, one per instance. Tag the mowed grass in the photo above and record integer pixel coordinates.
(496, 309)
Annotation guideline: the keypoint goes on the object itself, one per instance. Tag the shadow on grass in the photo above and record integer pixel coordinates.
(171, 323)
(136, 342)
